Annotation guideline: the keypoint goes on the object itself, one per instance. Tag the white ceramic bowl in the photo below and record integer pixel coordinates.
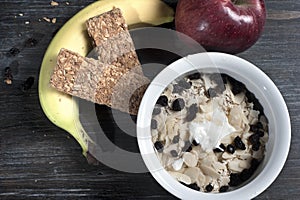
(257, 82)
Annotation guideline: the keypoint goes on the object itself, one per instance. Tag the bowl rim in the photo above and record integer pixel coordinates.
(210, 60)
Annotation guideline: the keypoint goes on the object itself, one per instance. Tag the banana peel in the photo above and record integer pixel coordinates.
(62, 109)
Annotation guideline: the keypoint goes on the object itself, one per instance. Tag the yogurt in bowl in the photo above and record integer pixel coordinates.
(213, 126)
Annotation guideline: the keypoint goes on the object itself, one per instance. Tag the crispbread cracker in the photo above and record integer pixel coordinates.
(100, 83)
(106, 25)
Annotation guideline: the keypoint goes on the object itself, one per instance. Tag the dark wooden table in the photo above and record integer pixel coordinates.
(40, 161)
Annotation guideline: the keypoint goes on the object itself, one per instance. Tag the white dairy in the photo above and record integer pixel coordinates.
(210, 133)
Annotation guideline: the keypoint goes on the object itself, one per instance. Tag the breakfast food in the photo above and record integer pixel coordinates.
(97, 82)
(114, 78)
(112, 41)
(209, 131)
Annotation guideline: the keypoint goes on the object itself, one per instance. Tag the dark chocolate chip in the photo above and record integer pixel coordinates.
(236, 86)
(162, 100)
(13, 52)
(180, 86)
(26, 85)
(159, 146)
(246, 174)
(195, 143)
(235, 179)
(183, 183)
(236, 89)
(30, 42)
(257, 106)
(178, 104)
(211, 93)
(219, 80)
(153, 124)
(182, 83)
(255, 146)
(254, 164)
(220, 89)
(194, 76)
(194, 186)
(175, 139)
(174, 153)
(230, 149)
(250, 97)
(156, 111)
(177, 89)
(209, 188)
(223, 188)
(221, 148)
(7, 70)
(259, 125)
(187, 146)
(253, 128)
(192, 112)
(254, 138)
(224, 78)
(260, 133)
(239, 144)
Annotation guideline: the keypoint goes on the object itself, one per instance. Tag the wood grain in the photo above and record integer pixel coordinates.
(41, 161)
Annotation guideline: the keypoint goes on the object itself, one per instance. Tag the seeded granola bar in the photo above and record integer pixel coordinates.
(97, 82)
(112, 41)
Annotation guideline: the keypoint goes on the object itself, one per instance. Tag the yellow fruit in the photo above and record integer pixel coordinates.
(62, 109)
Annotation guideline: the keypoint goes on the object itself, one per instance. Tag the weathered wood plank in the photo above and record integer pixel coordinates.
(41, 161)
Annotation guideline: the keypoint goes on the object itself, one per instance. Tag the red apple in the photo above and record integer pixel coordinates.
(230, 26)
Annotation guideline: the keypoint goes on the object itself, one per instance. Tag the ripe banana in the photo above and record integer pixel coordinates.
(62, 109)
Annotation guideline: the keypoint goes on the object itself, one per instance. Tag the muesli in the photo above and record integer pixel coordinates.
(209, 131)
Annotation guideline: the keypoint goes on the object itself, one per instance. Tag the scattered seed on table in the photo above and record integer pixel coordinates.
(30, 42)
(13, 52)
(26, 85)
(8, 77)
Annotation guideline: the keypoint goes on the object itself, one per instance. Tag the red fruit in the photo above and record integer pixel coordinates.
(230, 26)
